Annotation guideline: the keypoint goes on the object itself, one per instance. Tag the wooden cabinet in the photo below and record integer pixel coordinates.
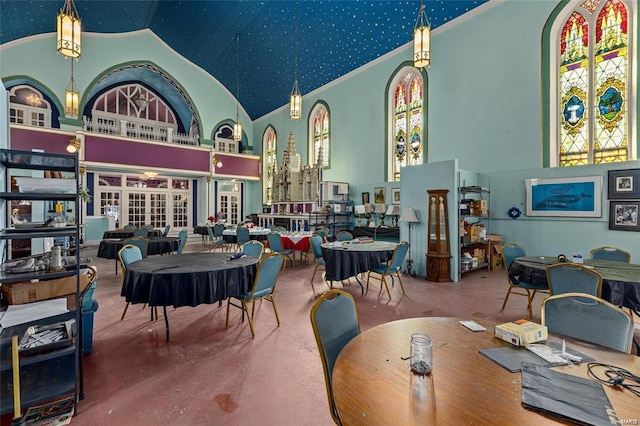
(438, 244)
(51, 372)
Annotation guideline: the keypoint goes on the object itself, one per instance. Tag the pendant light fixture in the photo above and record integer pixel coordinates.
(295, 111)
(71, 97)
(69, 29)
(237, 126)
(421, 39)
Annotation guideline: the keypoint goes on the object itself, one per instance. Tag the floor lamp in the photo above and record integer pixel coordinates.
(409, 216)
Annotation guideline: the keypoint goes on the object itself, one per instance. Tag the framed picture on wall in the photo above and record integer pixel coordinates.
(623, 215)
(365, 198)
(568, 197)
(624, 184)
(395, 196)
(379, 195)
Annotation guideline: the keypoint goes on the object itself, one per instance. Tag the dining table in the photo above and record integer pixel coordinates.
(188, 279)
(259, 234)
(108, 249)
(620, 281)
(373, 384)
(128, 233)
(344, 259)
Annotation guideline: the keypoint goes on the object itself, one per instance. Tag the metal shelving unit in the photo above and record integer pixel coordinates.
(54, 373)
(475, 216)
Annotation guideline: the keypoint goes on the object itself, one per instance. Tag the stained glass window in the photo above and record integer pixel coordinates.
(320, 137)
(407, 116)
(269, 154)
(594, 84)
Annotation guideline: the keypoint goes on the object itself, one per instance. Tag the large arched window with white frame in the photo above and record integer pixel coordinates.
(269, 163)
(406, 118)
(591, 49)
(320, 135)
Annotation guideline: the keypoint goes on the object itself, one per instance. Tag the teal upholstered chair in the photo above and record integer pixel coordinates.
(275, 244)
(573, 278)
(141, 232)
(263, 287)
(214, 242)
(390, 269)
(182, 235)
(316, 247)
(611, 253)
(253, 248)
(344, 236)
(140, 242)
(522, 288)
(335, 322)
(127, 255)
(130, 227)
(242, 236)
(166, 230)
(218, 230)
(589, 318)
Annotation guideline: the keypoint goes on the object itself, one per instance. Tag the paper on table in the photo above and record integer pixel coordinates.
(20, 314)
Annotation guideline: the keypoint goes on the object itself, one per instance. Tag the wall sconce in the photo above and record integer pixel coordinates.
(74, 145)
(216, 161)
(150, 174)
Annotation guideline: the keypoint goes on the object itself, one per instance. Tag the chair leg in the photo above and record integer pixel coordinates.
(367, 290)
(400, 281)
(384, 281)
(506, 297)
(245, 307)
(314, 273)
(125, 311)
(226, 324)
(273, 302)
(529, 299)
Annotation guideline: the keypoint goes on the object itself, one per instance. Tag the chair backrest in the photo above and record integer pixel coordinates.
(588, 318)
(242, 235)
(344, 236)
(148, 227)
(166, 230)
(253, 248)
(275, 242)
(129, 227)
(399, 254)
(611, 253)
(316, 246)
(267, 275)
(218, 229)
(211, 235)
(509, 252)
(140, 242)
(335, 322)
(183, 240)
(573, 278)
(279, 229)
(141, 232)
(128, 254)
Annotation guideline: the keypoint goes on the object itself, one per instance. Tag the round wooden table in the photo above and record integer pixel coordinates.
(373, 383)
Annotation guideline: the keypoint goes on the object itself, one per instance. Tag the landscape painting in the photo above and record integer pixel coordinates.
(570, 197)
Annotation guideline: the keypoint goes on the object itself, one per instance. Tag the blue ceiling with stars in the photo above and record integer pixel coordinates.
(334, 36)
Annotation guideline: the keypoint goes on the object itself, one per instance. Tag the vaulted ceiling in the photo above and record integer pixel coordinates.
(334, 36)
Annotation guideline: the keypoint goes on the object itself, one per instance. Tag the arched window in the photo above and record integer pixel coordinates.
(319, 136)
(269, 157)
(28, 106)
(590, 47)
(405, 100)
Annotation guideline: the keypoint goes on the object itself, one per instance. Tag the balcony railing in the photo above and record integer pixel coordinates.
(138, 131)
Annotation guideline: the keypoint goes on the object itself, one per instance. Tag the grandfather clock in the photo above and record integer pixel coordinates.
(438, 246)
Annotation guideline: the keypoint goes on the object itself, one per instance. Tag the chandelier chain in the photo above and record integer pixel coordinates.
(295, 43)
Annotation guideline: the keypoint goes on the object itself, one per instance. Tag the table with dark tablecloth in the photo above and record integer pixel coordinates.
(349, 260)
(620, 281)
(108, 249)
(122, 234)
(188, 279)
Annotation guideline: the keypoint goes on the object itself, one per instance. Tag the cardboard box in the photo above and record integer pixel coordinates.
(479, 254)
(480, 208)
(521, 332)
(473, 232)
(496, 252)
(26, 292)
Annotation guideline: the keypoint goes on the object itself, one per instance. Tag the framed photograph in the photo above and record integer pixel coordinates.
(395, 196)
(568, 197)
(379, 195)
(623, 215)
(624, 184)
(365, 198)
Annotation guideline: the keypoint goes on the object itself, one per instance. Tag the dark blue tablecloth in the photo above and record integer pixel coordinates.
(348, 261)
